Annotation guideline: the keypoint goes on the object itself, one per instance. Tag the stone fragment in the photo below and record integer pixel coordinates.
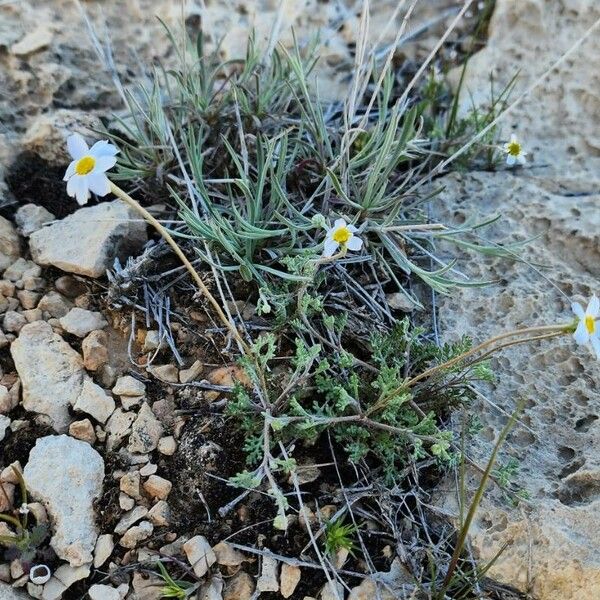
(332, 590)
(187, 375)
(9, 244)
(229, 376)
(213, 590)
(151, 341)
(227, 555)
(28, 299)
(145, 431)
(83, 430)
(80, 322)
(157, 487)
(166, 445)
(199, 554)
(130, 484)
(129, 386)
(118, 426)
(55, 304)
(240, 587)
(99, 591)
(130, 518)
(22, 268)
(289, 579)
(70, 286)
(136, 534)
(66, 475)
(88, 241)
(160, 514)
(13, 322)
(166, 373)
(31, 217)
(94, 401)
(103, 549)
(94, 349)
(268, 580)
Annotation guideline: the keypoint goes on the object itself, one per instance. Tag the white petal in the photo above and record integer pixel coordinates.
(77, 186)
(510, 160)
(104, 163)
(98, 183)
(506, 147)
(578, 310)
(581, 334)
(339, 223)
(596, 345)
(354, 243)
(513, 137)
(76, 146)
(352, 229)
(329, 247)
(521, 159)
(593, 308)
(70, 171)
(103, 148)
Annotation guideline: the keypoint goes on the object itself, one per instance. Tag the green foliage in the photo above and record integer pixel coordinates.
(338, 536)
(404, 425)
(173, 588)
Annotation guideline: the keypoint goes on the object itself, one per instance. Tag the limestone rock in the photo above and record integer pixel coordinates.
(33, 41)
(129, 386)
(240, 587)
(94, 401)
(103, 549)
(66, 476)
(55, 304)
(268, 580)
(145, 432)
(157, 487)
(199, 554)
(9, 244)
(227, 555)
(289, 579)
(95, 352)
(80, 322)
(130, 518)
(83, 430)
(117, 427)
(51, 372)
(31, 217)
(332, 590)
(100, 591)
(136, 534)
(87, 242)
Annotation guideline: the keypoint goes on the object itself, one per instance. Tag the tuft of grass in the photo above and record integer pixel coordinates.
(338, 536)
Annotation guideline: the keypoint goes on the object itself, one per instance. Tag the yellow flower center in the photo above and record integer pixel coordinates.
(342, 235)
(590, 324)
(85, 165)
(514, 148)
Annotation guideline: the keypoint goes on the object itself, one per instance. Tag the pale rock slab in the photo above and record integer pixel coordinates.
(51, 372)
(87, 241)
(66, 476)
(80, 322)
(289, 579)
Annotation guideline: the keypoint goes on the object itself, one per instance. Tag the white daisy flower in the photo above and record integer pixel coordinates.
(588, 330)
(514, 152)
(341, 235)
(87, 171)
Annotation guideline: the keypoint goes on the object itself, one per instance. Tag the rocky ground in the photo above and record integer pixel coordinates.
(92, 413)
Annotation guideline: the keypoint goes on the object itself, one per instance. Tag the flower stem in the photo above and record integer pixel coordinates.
(117, 191)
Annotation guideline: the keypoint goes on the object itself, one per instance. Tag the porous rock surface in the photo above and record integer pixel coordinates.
(66, 476)
(88, 241)
(553, 539)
